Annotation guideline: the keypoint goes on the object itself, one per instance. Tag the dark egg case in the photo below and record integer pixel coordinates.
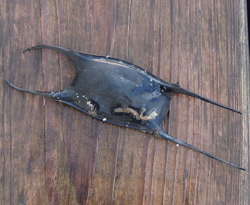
(120, 93)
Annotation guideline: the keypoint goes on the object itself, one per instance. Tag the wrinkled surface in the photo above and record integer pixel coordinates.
(118, 92)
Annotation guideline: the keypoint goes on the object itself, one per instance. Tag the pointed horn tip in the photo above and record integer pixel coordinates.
(8, 82)
(238, 112)
(28, 49)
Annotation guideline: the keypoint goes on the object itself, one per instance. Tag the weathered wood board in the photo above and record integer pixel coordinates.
(53, 154)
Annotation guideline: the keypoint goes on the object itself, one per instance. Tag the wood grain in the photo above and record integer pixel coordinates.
(53, 154)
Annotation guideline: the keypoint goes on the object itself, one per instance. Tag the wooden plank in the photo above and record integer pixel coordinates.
(24, 164)
(54, 154)
(244, 65)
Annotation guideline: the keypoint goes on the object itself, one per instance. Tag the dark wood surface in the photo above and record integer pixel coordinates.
(53, 154)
